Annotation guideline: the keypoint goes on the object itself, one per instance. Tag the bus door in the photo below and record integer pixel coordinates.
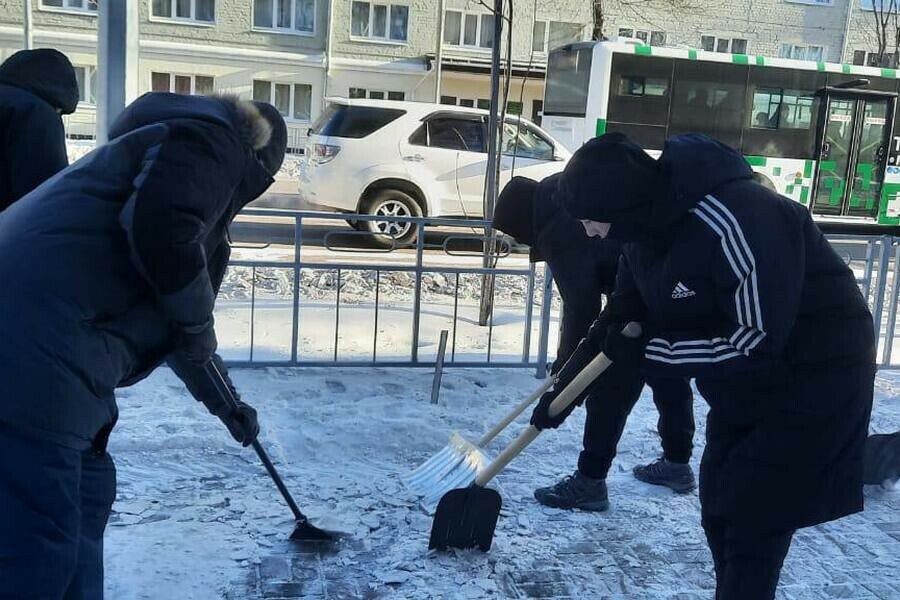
(853, 137)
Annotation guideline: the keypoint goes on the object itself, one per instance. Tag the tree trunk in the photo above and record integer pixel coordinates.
(597, 34)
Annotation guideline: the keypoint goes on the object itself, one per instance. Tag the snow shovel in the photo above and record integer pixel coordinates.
(304, 531)
(457, 464)
(467, 517)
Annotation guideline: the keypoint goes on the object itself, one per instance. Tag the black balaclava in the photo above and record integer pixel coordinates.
(612, 180)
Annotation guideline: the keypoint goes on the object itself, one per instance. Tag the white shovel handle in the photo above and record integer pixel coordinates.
(580, 383)
(514, 413)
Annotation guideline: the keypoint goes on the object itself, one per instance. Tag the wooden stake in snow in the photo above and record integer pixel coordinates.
(439, 367)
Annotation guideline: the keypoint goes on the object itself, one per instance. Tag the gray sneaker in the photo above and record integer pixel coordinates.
(575, 491)
(675, 476)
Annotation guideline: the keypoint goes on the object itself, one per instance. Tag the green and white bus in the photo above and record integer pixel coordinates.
(822, 134)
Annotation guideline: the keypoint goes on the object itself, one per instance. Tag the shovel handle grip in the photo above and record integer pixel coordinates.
(514, 413)
(580, 383)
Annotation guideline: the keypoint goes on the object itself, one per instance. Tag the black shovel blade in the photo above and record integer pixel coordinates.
(304, 531)
(466, 518)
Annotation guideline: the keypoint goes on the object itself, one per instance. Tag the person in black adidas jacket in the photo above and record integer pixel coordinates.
(737, 287)
(584, 270)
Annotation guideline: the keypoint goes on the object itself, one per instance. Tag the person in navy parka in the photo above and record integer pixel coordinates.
(584, 270)
(36, 87)
(737, 287)
(109, 268)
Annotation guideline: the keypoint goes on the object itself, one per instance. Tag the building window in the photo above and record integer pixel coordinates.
(182, 84)
(711, 43)
(293, 100)
(539, 36)
(560, 34)
(816, 53)
(468, 29)
(203, 11)
(293, 16)
(451, 100)
(870, 59)
(87, 84)
(73, 5)
(483, 104)
(650, 38)
(362, 93)
(379, 21)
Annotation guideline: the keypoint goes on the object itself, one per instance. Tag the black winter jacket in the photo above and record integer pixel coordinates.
(583, 268)
(34, 84)
(105, 262)
(739, 288)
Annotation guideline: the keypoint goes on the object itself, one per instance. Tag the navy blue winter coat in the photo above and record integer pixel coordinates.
(738, 288)
(105, 262)
(34, 85)
(584, 269)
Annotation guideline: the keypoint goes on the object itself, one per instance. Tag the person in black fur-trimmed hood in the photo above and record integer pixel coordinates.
(36, 87)
(737, 287)
(584, 270)
(109, 269)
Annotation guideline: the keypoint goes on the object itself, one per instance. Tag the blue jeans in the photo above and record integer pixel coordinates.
(54, 505)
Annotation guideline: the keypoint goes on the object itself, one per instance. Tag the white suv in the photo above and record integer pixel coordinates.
(390, 158)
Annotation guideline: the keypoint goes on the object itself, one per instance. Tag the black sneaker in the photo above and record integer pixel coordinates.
(575, 491)
(675, 476)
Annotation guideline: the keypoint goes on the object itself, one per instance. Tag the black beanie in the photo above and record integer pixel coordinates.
(514, 213)
(612, 180)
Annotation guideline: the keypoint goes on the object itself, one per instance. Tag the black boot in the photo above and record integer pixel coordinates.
(675, 476)
(575, 491)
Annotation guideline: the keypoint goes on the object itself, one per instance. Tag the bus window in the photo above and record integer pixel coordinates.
(640, 89)
(709, 98)
(569, 73)
(783, 110)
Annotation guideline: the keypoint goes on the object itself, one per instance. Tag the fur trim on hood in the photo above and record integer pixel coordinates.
(254, 129)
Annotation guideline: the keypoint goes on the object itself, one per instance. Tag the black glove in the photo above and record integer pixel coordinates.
(198, 344)
(541, 418)
(241, 423)
(622, 350)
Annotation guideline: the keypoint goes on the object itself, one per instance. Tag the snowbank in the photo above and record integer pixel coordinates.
(197, 518)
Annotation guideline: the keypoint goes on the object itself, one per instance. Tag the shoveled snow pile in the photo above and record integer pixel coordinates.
(197, 518)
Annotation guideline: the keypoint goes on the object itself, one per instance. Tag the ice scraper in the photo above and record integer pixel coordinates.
(304, 531)
(457, 464)
(466, 517)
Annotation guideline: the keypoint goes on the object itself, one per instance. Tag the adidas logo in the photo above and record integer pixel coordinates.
(682, 291)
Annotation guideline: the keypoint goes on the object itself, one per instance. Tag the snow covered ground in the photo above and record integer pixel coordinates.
(196, 517)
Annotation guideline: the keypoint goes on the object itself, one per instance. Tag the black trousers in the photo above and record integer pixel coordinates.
(54, 505)
(608, 407)
(747, 562)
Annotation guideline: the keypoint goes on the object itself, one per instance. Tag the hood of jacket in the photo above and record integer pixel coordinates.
(257, 124)
(612, 180)
(46, 73)
(529, 211)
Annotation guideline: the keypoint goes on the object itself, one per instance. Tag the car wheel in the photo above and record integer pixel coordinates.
(391, 203)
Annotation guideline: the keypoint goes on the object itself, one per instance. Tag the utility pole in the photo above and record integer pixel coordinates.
(117, 61)
(29, 26)
(493, 163)
(439, 51)
(845, 41)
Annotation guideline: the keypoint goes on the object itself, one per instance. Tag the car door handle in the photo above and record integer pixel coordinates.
(414, 158)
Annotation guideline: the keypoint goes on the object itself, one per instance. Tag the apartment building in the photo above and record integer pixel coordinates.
(295, 53)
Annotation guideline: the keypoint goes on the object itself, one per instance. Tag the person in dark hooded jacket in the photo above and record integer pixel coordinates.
(584, 270)
(36, 87)
(737, 287)
(109, 269)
